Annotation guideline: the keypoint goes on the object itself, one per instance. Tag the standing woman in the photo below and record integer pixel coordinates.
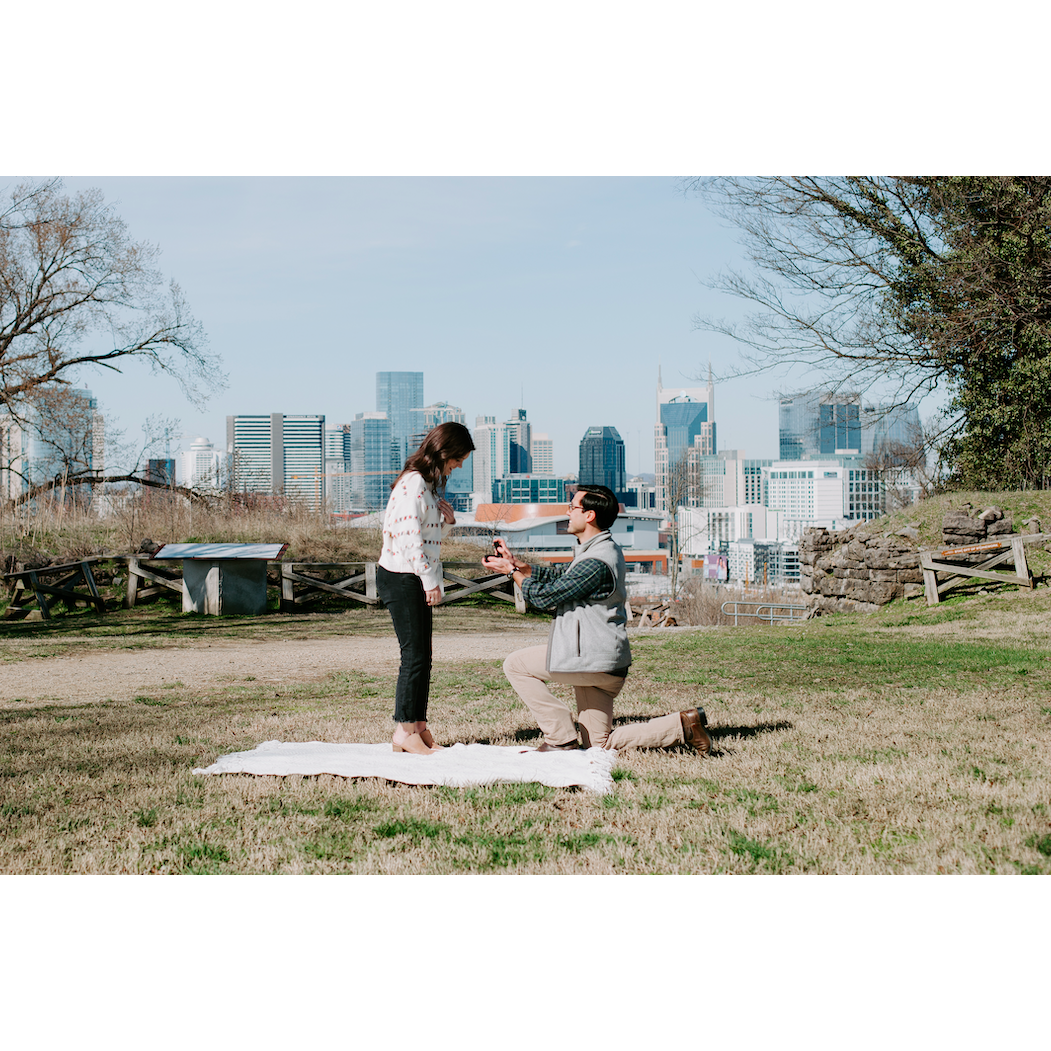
(409, 575)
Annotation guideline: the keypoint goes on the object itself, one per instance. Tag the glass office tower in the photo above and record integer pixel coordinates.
(397, 394)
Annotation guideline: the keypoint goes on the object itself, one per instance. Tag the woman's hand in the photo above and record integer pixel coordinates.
(447, 511)
(433, 596)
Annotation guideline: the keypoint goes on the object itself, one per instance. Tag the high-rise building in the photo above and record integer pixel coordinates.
(60, 435)
(819, 424)
(397, 394)
(199, 465)
(602, 460)
(371, 470)
(685, 427)
(520, 433)
(542, 451)
(491, 456)
(337, 468)
(427, 418)
(816, 425)
(755, 482)
(891, 434)
(283, 455)
(831, 492)
(460, 483)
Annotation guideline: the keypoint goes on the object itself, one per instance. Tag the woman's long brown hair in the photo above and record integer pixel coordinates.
(448, 441)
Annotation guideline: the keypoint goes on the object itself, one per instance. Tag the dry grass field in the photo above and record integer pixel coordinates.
(910, 741)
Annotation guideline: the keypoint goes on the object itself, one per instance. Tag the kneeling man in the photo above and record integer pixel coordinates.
(588, 645)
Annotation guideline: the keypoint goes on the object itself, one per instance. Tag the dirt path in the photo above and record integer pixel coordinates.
(121, 674)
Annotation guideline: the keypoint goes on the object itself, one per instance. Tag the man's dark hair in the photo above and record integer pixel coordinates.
(602, 501)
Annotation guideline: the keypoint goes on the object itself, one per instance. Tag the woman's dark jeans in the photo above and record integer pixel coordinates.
(403, 595)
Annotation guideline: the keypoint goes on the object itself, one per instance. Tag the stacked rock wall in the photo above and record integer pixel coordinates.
(843, 572)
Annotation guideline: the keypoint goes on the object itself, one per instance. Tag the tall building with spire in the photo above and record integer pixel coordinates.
(684, 431)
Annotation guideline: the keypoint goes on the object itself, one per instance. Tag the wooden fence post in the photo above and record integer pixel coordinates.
(288, 595)
(133, 582)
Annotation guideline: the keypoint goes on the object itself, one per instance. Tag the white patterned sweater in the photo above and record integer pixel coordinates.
(413, 529)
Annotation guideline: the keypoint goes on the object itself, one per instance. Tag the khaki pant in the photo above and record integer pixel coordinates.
(595, 692)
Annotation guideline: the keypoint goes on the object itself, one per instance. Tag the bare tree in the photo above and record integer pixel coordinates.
(906, 284)
(684, 488)
(76, 291)
(903, 470)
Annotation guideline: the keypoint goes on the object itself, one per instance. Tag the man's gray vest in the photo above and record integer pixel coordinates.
(592, 635)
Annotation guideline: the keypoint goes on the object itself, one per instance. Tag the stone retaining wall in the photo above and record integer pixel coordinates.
(844, 572)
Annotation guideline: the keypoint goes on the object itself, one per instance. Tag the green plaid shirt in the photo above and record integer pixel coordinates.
(548, 587)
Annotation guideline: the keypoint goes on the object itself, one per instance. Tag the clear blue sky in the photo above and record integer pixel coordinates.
(562, 295)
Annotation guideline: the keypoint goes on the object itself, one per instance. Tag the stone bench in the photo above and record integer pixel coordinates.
(220, 579)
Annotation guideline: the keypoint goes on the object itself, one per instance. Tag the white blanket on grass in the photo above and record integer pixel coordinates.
(460, 765)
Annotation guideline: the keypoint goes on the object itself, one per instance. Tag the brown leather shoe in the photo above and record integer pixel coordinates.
(694, 732)
(573, 746)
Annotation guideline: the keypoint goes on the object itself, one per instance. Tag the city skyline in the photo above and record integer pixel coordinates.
(563, 296)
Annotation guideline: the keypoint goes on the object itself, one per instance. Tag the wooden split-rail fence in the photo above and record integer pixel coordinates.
(305, 582)
(301, 584)
(958, 565)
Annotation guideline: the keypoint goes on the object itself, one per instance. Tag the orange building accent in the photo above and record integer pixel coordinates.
(516, 512)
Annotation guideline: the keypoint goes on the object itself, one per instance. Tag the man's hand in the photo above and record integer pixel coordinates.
(504, 561)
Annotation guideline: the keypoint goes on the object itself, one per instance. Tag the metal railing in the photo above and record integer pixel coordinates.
(775, 612)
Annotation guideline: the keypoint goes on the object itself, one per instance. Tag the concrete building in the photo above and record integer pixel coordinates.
(772, 563)
(337, 469)
(461, 482)
(644, 492)
(829, 493)
(542, 529)
(279, 455)
(491, 456)
(703, 529)
(755, 482)
(542, 451)
(427, 418)
(199, 466)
